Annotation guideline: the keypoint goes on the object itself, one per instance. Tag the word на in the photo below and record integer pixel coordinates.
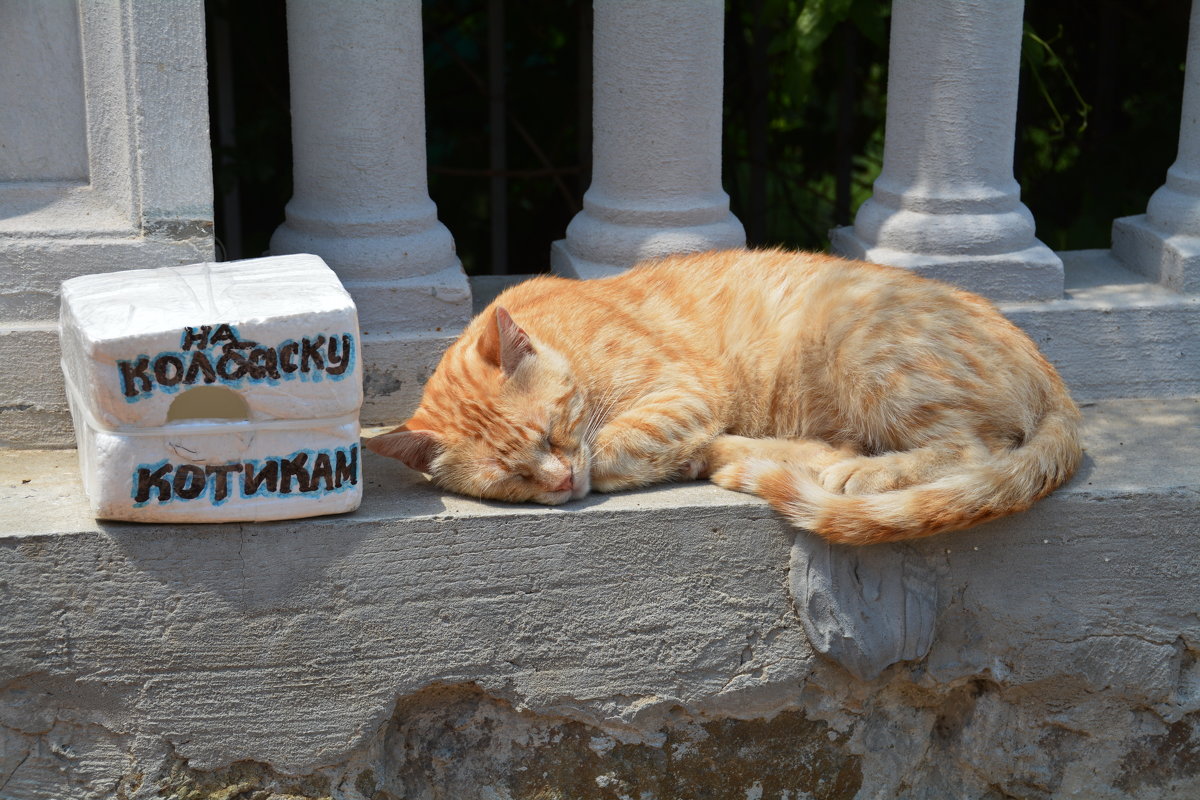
(237, 360)
(305, 472)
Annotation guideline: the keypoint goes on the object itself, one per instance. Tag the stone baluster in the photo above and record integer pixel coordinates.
(946, 204)
(1164, 243)
(656, 173)
(361, 197)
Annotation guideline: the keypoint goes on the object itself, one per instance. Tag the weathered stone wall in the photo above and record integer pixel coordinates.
(895, 738)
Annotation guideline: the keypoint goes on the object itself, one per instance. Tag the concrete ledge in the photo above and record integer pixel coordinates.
(153, 657)
(395, 368)
(1115, 335)
(1172, 259)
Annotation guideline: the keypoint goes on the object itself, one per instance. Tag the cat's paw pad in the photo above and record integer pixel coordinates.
(858, 476)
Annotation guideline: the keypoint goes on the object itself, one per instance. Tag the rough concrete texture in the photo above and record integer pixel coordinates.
(52, 137)
(33, 407)
(644, 644)
(1114, 335)
(1172, 260)
(395, 368)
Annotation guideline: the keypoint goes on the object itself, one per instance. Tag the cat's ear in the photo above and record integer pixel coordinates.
(514, 342)
(415, 448)
(504, 344)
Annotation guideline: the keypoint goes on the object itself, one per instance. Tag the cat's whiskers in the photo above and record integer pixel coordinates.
(482, 467)
(601, 412)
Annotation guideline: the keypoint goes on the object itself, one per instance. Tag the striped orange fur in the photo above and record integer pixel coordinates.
(862, 402)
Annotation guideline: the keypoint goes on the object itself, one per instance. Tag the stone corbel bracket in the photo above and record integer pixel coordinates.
(865, 608)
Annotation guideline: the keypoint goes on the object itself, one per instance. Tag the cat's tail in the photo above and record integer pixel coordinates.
(975, 490)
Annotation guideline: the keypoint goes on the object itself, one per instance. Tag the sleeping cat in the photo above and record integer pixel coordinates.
(862, 402)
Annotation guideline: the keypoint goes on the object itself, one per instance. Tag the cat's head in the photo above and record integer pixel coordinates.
(501, 418)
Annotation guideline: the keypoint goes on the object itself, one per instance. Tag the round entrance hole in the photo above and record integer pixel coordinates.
(208, 402)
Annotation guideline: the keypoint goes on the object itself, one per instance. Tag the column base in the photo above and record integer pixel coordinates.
(568, 265)
(421, 304)
(1170, 260)
(407, 320)
(401, 284)
(1034, 273)
(596, 248)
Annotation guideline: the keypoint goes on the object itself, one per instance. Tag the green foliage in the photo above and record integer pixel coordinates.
(803, 114)
(1098, 122)
(1038, 58)
(542, 97)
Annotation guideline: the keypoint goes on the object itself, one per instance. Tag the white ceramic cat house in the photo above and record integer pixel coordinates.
(215, 392)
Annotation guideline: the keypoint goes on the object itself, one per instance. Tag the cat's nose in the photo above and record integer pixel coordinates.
(566, 484)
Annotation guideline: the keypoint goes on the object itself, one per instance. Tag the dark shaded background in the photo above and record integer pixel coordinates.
(805, 84)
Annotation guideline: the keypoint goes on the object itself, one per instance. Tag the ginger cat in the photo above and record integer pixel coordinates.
(863, 402)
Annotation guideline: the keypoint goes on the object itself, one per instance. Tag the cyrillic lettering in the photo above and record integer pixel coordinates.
(293, 467)
(221, 482)
(346, 469)
(135, 371)
(148, 481)
(189, 481)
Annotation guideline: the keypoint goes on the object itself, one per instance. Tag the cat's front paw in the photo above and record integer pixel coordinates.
(746, 475)
(616, 483)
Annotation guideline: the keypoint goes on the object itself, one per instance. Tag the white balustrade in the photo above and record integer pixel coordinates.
(361, 198)
(1164, 243)
(946, 204)
(656, 171)
(122, 176)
